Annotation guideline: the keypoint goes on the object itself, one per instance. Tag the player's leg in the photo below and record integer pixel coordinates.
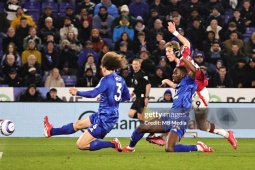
(153, 126)
(136, 109)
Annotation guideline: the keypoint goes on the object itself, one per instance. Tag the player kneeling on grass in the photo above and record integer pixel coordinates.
(113, 90)
(177, 121)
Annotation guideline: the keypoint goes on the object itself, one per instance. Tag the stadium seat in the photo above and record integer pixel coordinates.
(109, 42)
(250, 30)
(69, 80)
(63, 5)
(35, 15)
(226, 18)
(53, 5)
(1, 5)
(32, 6)
(228, 12)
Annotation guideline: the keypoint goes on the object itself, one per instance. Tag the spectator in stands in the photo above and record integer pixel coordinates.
(196, 34)
(231, 4)
(215, 15)
(154, 14)
(142, 40)
(88, 5)
(33, 78)
(124, 37)
(31, 95)
(250, 75)
(159, 37)
(22, 30)
(199, 59)
(215, 28)
(234, 39)
(87, 79)
(90, 63)
(84, 32)
(159, 52)
(158, 27)
(82, 57)
(32, 36)
(11, 50)
(123, 27)
(194, 5)
(50, 58)
(84, 16)
(49, 29)
(31, 63)
(68, 59)
(248, 13)
(208, 42)
(209, 5)
(219, 64)
(120, 3)
(215, 53)
(249, 47)
(139, 8)
(175, 4)
(96, 40)
(52, 96)
(147, 64)
(10, 9)
(12, 37)
(157, 79)
(229, 28)
(47, 13)
(54, 79)
(72, 17)
(124, 73)
(12, 79)
(111, 8)
(167, 97)
(240, 22)
(194, 14)
(174, 16)
(17, 20)
(31, 50)
(167, 69)
(10, 64)
(123, 49)
(4, 24)
(68, 26)
(161, 8)
(74, 42)
(221, 79)
(232, 57)
(238, 73)
(101, 53)
(124, 11)
(103, 22)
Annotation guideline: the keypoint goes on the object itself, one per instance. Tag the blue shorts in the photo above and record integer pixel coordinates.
(95, 129)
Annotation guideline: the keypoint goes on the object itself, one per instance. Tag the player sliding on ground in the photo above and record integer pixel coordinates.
(176, 122)
(113, 90)
(201, 99)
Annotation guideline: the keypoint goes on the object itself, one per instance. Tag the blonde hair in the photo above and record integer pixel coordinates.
(173, 44)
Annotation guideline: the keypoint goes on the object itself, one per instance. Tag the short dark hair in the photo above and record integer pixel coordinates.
(183, 69)
(53, 89)
(23, 18)
(112, 61)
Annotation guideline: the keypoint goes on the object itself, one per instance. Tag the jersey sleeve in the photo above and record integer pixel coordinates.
(189, 80)
(125, 93)
(185, 52)
(200, 76)
(101, 87)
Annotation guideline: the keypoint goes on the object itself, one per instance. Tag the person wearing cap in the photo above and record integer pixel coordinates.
(10, 64)
(103, 22)
(124, 26)
(20, 14)
(167, 97)
(238, 72)
(69, 12)
(250, 76)
(47, 12)
(111, 8)
(32, 36)
(87, 79)
(29, 51)
(240, 23)
(88, 5)
(54, 79)
(68, 26)
(52, 96)
(123, 49)
(83, 55)
(124, 10)
(31, 94)
(12, 79)
(249, 47)
(154, 14)
(227, 31)
(199, 59)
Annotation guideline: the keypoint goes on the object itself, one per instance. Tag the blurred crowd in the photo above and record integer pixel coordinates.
(58, 43)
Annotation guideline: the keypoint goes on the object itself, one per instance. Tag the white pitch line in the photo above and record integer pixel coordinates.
(1, 154)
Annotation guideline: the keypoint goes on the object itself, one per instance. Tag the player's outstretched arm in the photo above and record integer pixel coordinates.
(172, 29)
(192, 68)
(125, 94)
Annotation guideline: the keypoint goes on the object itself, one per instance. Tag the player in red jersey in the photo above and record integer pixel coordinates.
(201, 96)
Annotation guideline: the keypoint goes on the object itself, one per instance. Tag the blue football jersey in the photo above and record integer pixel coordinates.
(112, 89)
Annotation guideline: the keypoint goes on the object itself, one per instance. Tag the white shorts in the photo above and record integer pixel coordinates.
(199, 104)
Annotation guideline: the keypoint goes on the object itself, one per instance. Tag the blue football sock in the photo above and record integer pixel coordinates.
(136, 136)
(99, 144)
(64, 130)
(185, 148)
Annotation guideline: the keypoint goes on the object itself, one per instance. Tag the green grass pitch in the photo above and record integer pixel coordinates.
(61, 153)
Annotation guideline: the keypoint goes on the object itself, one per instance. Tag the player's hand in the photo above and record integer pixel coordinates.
(98, 98)
(164, 82)
(132, 95)
(171, 27)
(146, 101)
(73, 91)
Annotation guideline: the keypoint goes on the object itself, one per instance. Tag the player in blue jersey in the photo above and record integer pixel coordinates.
(176, 121)
(113, 90)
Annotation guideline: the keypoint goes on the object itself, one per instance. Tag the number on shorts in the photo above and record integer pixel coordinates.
(93, 127)
(117, 96)
(198, 104)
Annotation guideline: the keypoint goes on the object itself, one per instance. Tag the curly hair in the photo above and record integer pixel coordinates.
(173, 44)
(112, 61)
